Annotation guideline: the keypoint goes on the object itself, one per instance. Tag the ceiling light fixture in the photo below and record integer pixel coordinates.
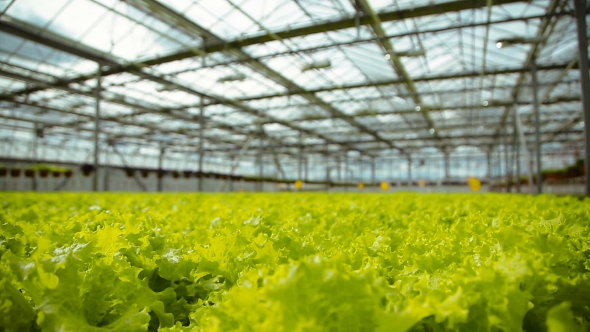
(316, 64)
(507, 42)
(166, 87)
(232, 78)
(407, 53)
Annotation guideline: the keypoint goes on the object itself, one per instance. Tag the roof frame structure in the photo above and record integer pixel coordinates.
(546, 24)
(364, 7)
(334, 100)
(173, 18)
(61, 44)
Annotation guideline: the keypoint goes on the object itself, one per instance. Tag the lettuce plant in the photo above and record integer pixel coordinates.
(293, 262)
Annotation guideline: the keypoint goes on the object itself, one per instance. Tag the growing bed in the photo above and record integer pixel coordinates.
(293, 262)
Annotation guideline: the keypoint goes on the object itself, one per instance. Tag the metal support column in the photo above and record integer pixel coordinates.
(489, 164)
(96, 132)
(201, 143)
(347, 176)
(580, 6)
(517, 156)
(338, 169)
(107, 174)
(525, 151)
(300, 161)
(373, 172)
(327, 171)
(361, 173)
(507, 168)
(447, 165)
(306, 168)
(260, 164)
(409, 170)
(235, 165)
(160, 169)
(391, 169)
(35, 141)
(537, 126)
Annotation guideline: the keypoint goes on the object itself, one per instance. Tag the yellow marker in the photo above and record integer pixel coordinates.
(474, 184)
(298, 184)
(384, 186)
(361, 186)
(279, 185)
(422, 183)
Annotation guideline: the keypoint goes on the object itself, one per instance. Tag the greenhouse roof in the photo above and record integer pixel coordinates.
(372, 76)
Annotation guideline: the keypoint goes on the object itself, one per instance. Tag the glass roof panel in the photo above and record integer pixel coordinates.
(461, 85)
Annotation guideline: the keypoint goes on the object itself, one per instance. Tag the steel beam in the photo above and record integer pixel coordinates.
(173, 18)
(63, 44)
(452, 76)
(27, 31)
(471, 141)
(488, 121)
(334, 25)
(223, 46)
(356, 41)
(118, 120)
(395, 61)
(452, 141)
(114, 98)
(120, 100)
(545, 24)
(461, 91)
(117, 99)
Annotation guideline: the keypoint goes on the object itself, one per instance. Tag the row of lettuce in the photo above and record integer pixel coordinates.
(45, 171)
(49, 171)
(567, 174)
(294, 262)
(556, 176)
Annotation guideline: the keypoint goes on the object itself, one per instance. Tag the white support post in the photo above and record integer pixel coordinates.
(260, 163)
(409, 171)
(96, 131)
(524, 150)
(447, 165)
(300, 159)
(35, 142)
(160, 169)
(201, 143)
(537, 127)
(373, 177)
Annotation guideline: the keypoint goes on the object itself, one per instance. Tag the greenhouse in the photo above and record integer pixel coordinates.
(333, 92)
(294, 165)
